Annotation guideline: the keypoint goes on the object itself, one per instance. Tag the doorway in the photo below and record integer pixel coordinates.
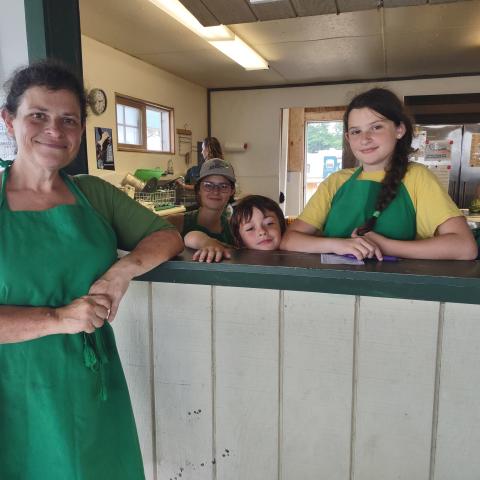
(323, 153)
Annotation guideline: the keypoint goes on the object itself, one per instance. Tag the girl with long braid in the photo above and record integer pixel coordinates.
(387, 206)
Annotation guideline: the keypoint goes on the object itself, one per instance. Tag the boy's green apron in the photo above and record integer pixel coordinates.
(65, 412)
(354, 204)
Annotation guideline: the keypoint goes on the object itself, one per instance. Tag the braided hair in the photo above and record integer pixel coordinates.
(388, 105)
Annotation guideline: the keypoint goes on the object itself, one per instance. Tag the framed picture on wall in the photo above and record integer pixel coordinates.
(104, 148)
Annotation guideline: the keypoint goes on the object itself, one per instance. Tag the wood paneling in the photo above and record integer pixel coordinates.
(182, 317)
(246, 383)
(278, 385)
(458, 438)
(296, 140)
(397, 342)
(317, 385)
(132, 331)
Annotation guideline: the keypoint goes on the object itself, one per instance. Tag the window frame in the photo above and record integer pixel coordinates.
(142, 105)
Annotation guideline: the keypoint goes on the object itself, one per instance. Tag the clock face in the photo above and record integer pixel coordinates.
(97, 100)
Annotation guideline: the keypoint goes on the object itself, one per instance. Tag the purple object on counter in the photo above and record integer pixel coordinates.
(386, 258)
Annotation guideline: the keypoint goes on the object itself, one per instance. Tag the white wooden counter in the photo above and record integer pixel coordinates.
(239, 383)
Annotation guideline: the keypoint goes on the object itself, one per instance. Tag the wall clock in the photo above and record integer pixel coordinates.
(97, 100)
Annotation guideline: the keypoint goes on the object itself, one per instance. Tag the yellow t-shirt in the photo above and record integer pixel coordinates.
(432, 204)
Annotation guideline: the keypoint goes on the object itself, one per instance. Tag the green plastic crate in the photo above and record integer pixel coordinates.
(146, 174)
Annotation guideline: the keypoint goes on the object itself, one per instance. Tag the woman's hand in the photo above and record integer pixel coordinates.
(111, 285)
(212, 253)
(84, 314)
(153, 250)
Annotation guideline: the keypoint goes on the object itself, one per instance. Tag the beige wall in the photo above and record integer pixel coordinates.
(254, 116)
(114, 71)
(13, 38)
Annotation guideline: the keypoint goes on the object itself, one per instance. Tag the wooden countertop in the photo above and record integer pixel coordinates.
(436, 280)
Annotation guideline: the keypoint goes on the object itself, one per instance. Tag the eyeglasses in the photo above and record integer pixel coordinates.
(221, 187)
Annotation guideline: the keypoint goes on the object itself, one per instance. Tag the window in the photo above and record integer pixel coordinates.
(144, 126)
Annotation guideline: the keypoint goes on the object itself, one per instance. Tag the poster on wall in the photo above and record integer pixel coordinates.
(104, 148)
(438, 150)
(8, 146)
(475, 150)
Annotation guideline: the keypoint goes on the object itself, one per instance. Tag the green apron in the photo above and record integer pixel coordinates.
(65, 412)
(190, 224)
(354, 204)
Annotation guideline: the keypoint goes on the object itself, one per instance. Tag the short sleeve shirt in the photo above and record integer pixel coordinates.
(130, 221)
(433, 206)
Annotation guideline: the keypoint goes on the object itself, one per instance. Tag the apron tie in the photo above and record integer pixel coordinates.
(95, 358)
(5, 163)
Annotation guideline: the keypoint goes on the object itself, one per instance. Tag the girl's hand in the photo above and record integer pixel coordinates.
(360, 247)
(212, 253)
(84, 314)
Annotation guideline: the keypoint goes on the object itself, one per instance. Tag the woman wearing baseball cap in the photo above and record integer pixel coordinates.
(214, 189)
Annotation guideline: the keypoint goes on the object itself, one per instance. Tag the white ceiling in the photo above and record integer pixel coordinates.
(408, 41)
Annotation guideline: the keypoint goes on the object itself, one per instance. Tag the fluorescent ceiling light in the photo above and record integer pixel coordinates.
(241, 53)
(221, 37)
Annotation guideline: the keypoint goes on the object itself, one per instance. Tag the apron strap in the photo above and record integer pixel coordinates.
(6, 164)
(72, 186)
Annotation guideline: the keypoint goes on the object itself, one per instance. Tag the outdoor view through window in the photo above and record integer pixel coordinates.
(323, 153)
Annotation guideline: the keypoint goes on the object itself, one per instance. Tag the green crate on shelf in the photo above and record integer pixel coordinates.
(146, 174)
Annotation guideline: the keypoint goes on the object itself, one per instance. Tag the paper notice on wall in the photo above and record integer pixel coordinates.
(442, 172)
(8, 146)
(475, 150)
(438, 150)
(419, 142)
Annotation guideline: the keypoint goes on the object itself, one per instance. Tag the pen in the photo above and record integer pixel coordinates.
(386, 258)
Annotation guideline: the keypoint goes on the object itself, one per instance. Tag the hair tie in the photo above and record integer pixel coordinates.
(376, 213)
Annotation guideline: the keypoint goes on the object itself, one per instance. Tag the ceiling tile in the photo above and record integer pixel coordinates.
(142, 23)
(431, 53)
(328, 60)
(355, 5)
(420, 40)
(226, 73)
(314, 7)
(273, 11)
(446, 1)
(464, 15)
(231, 11)
(200, 12)
(403, 3)
(352, 24)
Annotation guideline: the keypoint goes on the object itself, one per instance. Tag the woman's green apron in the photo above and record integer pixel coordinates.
(65, 412)
(354, 204)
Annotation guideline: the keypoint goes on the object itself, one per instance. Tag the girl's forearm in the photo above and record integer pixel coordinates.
(449, 246)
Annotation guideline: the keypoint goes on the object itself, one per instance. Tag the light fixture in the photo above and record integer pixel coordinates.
(220, 36)
(255, 2)
(241, 53)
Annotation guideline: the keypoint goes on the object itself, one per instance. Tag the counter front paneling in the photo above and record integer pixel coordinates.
(275, 366)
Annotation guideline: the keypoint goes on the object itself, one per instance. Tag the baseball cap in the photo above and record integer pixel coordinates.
(217, 166)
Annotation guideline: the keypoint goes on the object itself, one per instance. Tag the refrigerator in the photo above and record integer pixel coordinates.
(452, 153)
